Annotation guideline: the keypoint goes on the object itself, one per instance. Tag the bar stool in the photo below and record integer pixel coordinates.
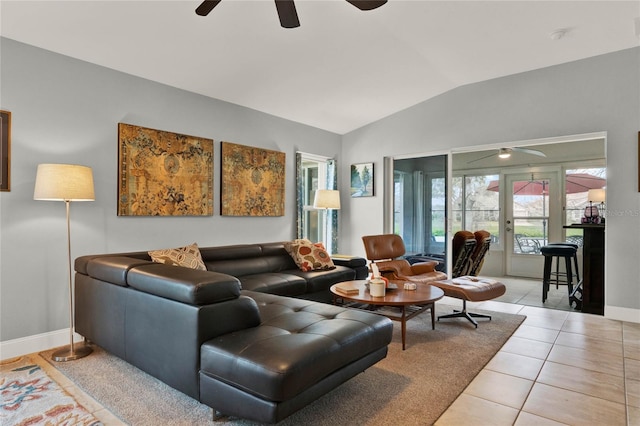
(559, 274)
(550, 252)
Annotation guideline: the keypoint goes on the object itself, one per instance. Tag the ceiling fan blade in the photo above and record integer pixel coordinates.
(530, 151)
(206, 7)
(287, 13)
(367, 4)
(482, 158)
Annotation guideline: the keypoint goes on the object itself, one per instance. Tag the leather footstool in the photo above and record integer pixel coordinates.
(473, 289)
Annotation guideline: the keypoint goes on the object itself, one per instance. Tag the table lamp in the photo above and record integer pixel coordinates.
(591, 213)
(66, 182)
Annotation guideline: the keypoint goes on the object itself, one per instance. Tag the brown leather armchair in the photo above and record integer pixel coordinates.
(385, 251)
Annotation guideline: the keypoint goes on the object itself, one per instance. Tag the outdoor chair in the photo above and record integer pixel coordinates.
(526, 244)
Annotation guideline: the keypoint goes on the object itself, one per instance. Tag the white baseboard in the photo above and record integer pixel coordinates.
(35, 343)
(622, 314)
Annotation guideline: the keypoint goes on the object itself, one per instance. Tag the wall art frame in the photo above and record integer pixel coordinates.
(162, 173)
(252, 181)
(362, 180)
(5, 150)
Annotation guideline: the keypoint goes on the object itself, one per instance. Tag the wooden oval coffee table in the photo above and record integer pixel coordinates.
(410, 302)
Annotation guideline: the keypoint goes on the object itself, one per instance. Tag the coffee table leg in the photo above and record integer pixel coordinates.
(404, 326)
(433, 316)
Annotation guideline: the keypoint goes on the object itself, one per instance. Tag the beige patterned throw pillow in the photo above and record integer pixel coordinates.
(188, 257)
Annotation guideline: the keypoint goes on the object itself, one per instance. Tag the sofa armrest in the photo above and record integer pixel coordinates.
(424, 267)
(356, 263)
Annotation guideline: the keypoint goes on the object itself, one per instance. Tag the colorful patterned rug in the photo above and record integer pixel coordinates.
(28, 396)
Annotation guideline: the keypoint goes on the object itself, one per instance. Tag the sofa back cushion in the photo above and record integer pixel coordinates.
(250, 259)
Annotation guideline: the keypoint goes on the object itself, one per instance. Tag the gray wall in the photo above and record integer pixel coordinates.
(593, 95)
(66, 111)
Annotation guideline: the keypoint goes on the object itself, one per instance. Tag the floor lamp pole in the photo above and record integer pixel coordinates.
(70, 353)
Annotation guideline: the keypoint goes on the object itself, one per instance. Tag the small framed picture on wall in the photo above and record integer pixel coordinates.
(362, 179)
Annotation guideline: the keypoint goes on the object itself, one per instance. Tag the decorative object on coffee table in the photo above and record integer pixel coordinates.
(163, 174)
(66, 182)
(252, 181)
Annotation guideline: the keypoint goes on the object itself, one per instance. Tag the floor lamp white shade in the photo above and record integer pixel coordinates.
(327, 199)
(66, 182)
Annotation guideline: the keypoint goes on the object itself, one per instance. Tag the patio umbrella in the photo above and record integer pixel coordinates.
(575, 183)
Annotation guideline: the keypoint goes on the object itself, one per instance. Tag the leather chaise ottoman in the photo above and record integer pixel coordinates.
(300, 351)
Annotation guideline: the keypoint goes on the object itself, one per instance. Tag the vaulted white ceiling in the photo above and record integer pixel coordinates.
(342, 68)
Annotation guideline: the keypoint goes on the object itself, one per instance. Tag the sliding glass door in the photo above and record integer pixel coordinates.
(420, 206)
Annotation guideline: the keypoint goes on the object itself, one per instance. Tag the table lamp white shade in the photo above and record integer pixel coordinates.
(327, 199)
(64, 182)
(596, 195)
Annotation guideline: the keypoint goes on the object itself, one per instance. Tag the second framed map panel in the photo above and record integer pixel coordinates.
(252, 182)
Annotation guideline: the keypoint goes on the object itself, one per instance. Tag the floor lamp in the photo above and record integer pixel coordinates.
(327, 199)
(66, 182)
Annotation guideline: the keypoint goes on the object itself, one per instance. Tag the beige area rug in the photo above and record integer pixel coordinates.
(28, 396)
(411, 387)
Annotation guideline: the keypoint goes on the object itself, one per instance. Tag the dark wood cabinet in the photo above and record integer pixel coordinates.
(592, 268)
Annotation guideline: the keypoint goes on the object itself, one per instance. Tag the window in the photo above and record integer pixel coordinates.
(476, 204)
(419, 204)
(315, 172)
(578, 182)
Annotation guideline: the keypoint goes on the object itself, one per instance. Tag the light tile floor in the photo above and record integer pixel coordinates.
(559, 367)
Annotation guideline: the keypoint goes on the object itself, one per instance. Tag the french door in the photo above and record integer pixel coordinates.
(533, 217)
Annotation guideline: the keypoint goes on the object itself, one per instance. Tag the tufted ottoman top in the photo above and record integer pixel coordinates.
(474, 289)
(297, 344)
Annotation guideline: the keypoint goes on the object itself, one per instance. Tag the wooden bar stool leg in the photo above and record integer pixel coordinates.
(569, 275)
(546, 277)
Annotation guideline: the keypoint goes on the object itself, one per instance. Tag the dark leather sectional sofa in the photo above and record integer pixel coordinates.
(227, 336)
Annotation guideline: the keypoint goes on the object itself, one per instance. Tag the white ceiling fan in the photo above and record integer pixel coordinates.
(505, 153)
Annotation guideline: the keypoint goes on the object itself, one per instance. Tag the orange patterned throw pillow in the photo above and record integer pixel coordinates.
(188, 257)
(310, 257)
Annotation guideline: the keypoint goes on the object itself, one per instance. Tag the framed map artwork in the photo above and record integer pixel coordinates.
(252, 182)
(163, 174)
